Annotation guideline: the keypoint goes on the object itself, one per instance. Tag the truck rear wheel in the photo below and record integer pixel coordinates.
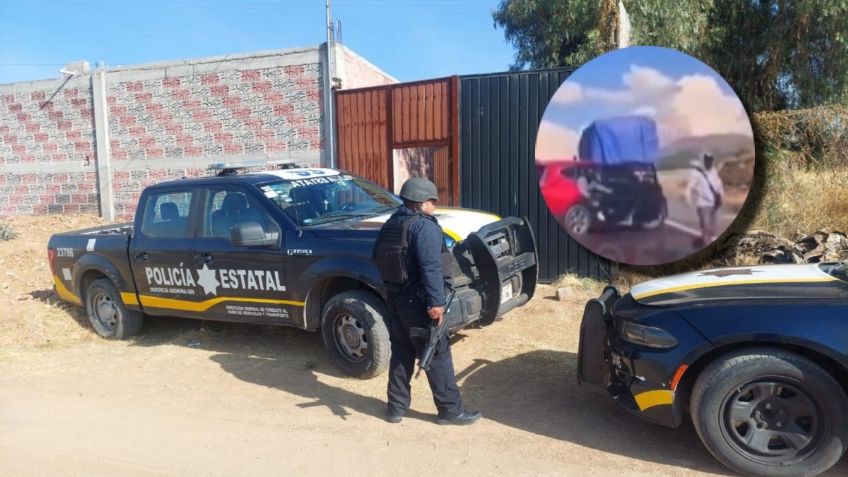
(107, 313)
(355, 333)
(768, 412)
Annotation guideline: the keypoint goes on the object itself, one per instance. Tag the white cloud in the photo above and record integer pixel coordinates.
(642, 81)
(708, 109)
(692, 105)
(570, 92)
(555, 142)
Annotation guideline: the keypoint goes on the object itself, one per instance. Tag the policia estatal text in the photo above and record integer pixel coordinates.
(409, 254)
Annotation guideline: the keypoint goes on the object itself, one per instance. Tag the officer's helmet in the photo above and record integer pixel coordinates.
(419, 189)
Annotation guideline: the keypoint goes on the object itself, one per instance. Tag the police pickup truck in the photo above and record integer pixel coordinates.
(286, 246)
(757, 355)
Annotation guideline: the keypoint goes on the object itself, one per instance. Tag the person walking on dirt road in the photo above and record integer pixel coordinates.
(705, 192)
(409, 253)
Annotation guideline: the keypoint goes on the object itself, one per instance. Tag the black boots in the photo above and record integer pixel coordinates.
(465, 418)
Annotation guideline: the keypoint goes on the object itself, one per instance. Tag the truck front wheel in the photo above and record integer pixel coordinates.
(770, 413)
(107, 313)
(355, 333)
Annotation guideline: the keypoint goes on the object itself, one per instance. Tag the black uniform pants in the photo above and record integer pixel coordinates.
(408, 311)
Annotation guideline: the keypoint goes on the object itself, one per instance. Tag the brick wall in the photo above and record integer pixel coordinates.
(165, 121)
(47, 126)
(223, 112)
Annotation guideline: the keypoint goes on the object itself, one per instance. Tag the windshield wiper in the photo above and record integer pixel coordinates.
(341, 215)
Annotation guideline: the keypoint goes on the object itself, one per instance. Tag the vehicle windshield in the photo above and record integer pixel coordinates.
(319, 200)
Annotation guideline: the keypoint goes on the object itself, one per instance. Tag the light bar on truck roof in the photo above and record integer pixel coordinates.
(233, 168)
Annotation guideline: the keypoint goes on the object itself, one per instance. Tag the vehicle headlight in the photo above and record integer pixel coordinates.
(644, 335)
(449, 242)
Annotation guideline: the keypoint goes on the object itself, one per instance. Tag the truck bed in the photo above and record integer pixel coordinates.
(111, 229)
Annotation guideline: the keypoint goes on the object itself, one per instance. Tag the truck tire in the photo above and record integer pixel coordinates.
(355, 333)
(107, 313)
(769, 412)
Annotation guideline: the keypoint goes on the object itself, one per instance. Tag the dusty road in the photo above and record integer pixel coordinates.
(193, 398)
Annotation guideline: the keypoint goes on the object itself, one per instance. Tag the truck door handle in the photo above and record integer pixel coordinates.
(206, 257)
(142, 257)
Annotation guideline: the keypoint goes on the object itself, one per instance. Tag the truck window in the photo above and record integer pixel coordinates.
(166, 215)
(228, 207)
(325, 199)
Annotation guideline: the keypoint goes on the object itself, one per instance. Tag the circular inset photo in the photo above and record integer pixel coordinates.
(645, 155)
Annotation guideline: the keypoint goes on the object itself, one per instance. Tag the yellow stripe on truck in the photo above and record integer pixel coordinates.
(64, 293)
(129, 298)
(450, 233)
(650, 399)
(696, 286)
(184, 305)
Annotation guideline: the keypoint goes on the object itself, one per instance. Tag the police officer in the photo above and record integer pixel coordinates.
(409, 254)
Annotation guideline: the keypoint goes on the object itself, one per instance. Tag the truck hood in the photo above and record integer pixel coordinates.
(779, 282)
(456, 223)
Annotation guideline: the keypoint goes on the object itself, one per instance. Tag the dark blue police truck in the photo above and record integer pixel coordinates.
(286, 246)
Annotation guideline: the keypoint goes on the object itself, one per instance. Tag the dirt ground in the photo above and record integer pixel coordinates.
(196, 398)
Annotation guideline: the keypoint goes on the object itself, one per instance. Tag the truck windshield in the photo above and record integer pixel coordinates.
(320, 200)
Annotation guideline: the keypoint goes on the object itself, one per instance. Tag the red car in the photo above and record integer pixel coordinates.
(633, 196)
(560, 192)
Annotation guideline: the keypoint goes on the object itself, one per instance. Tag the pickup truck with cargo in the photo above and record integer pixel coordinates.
(289, 247)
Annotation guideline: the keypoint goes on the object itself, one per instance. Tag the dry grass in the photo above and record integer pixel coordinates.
(801, 201)
(579, 284)
(34, 317)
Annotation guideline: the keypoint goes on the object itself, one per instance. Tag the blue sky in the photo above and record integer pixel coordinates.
(608, 72)
(683, 96)
(409, 39)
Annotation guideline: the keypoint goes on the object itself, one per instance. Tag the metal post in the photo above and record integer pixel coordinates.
(329, 100)
(103, 150)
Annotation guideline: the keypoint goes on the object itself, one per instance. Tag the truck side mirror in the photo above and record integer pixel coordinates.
(251, 234)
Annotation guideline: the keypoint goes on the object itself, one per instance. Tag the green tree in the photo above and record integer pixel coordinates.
(776, 54)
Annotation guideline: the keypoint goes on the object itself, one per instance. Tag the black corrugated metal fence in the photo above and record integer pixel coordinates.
(499, 117)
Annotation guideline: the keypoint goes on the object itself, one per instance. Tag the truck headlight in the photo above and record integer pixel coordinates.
(449, 242)
(644, 335)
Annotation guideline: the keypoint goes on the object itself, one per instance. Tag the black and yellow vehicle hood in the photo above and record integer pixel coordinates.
(778, 282)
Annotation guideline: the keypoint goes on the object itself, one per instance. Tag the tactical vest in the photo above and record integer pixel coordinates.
(391, 253)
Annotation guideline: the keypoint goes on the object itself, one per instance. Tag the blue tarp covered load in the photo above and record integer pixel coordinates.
(620, 140)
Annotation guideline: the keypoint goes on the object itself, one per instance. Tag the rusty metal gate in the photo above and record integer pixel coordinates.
(388, 133)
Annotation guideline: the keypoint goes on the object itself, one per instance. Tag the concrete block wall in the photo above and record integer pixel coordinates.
(162, 121)
(357, 72)
(171, 120)
(47, 148)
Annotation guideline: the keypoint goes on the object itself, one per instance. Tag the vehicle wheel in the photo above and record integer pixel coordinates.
(107, 312)
(657, 221)
(355, 333)
(767, 412)
(578, 220)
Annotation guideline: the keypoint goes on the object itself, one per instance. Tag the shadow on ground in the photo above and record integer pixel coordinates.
(49, 297)
(534, 392)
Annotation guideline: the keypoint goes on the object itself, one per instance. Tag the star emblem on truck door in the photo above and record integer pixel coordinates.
(206, 279)
(729, 272)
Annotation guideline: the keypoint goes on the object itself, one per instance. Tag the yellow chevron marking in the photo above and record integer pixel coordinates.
(64, 293)
(129, 298)
(650, 399)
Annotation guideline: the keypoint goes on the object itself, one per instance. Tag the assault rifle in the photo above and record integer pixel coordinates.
(436, 331)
